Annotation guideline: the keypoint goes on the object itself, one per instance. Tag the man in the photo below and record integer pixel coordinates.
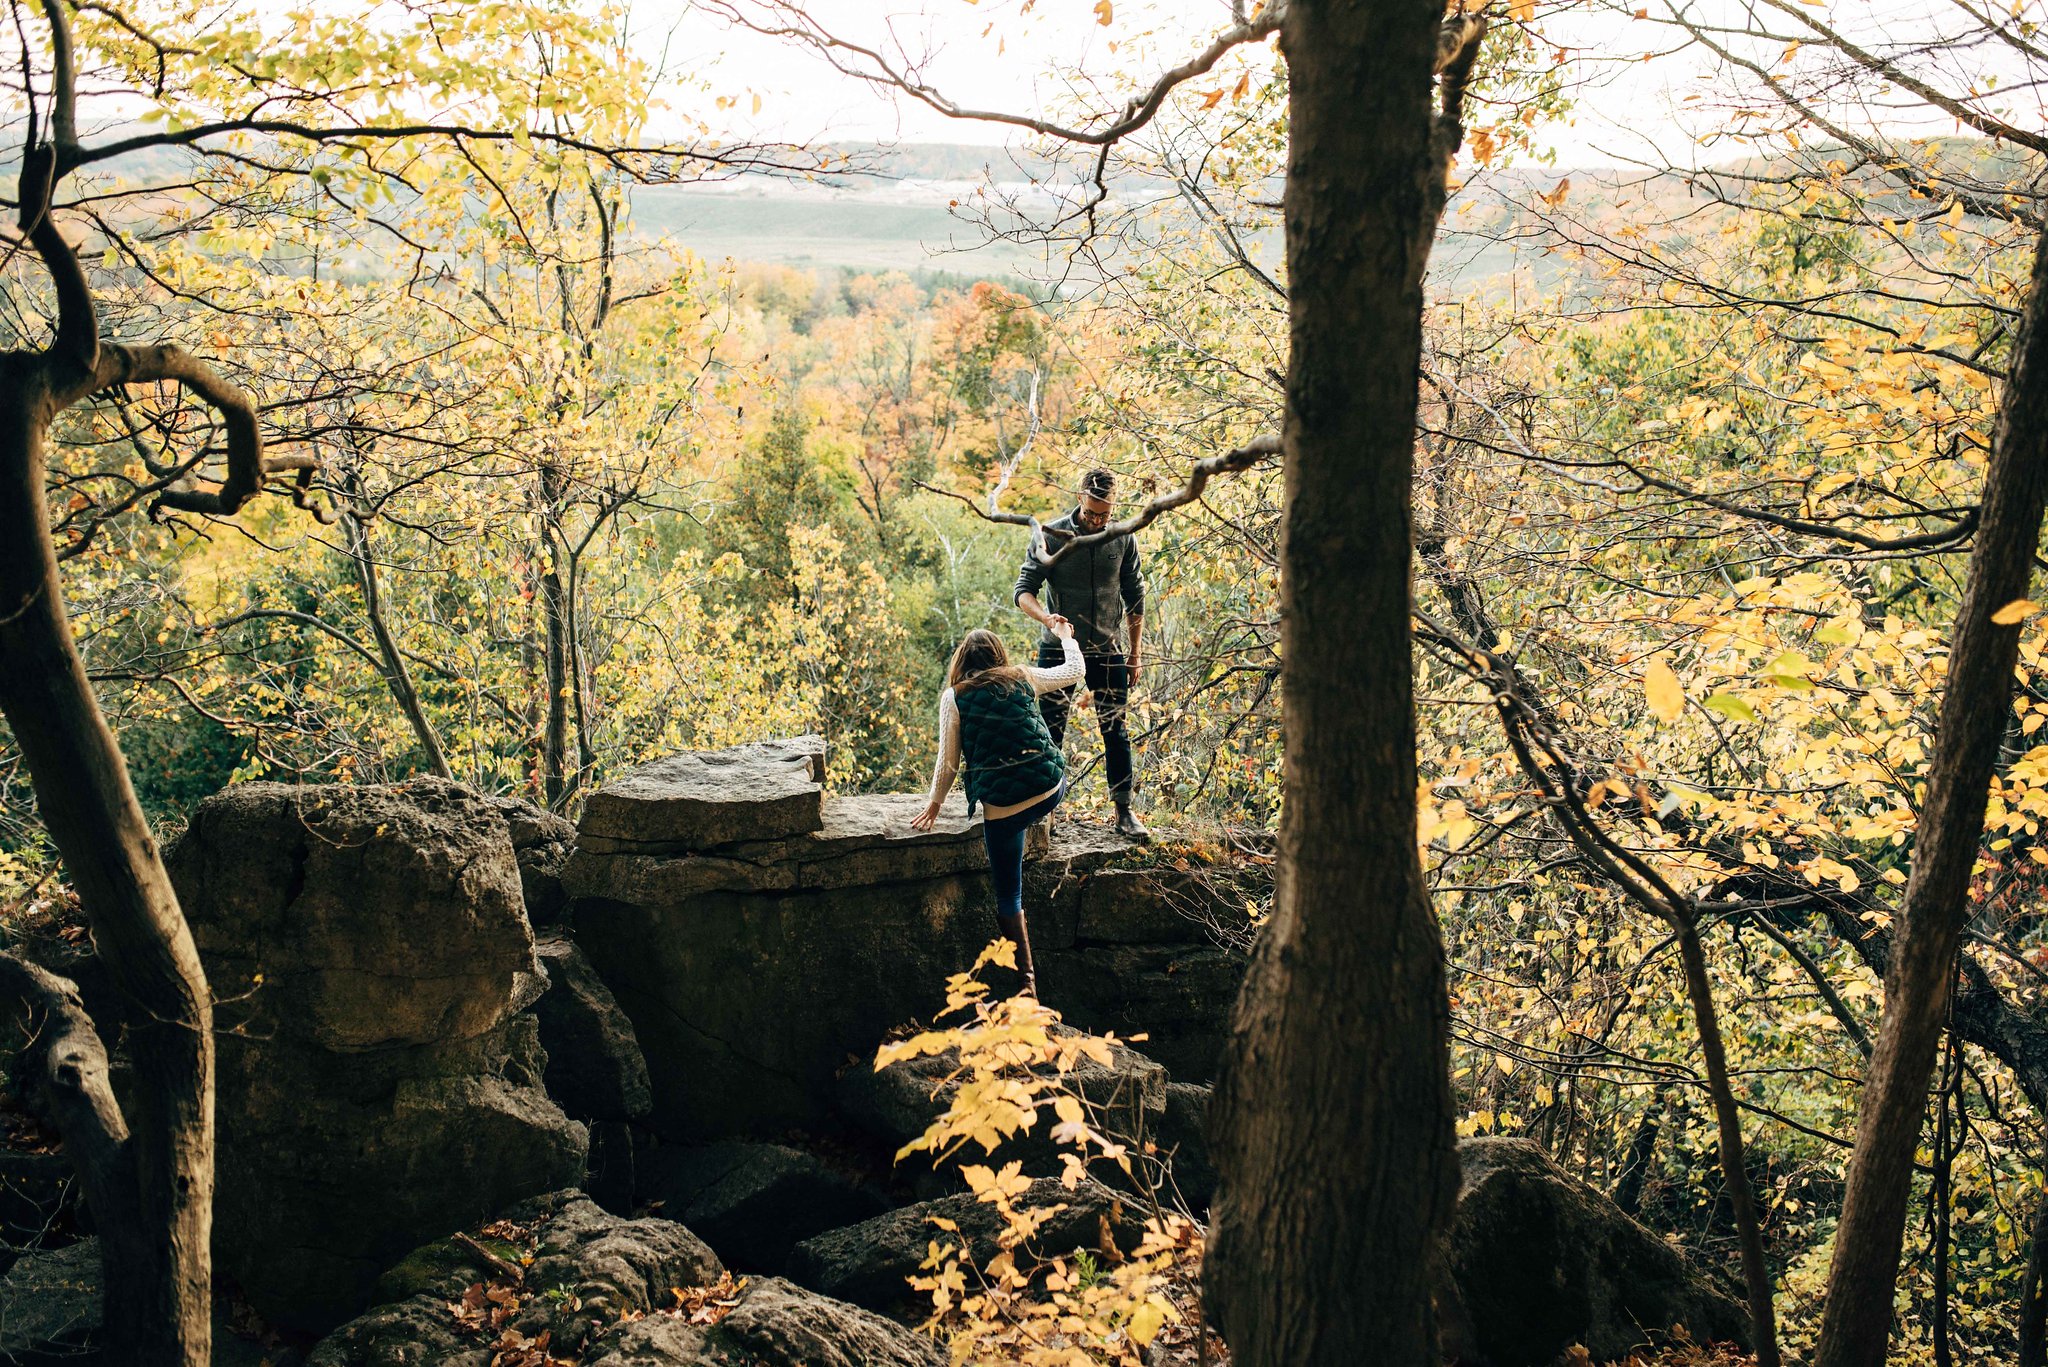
(1100, 590)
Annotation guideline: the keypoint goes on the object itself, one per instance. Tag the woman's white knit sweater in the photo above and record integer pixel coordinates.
(1068, 672)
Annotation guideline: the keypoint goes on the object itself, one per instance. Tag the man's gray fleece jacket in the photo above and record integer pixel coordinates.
(1093, 587)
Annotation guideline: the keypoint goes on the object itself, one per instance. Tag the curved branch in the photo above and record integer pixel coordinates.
(125, 364)
(1204, 470)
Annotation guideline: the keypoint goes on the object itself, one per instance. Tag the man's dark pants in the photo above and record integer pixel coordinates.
(1109, 679)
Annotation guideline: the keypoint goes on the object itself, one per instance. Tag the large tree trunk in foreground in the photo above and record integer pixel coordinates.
(157, 1256)
(1976, 704)
(1333, 1112)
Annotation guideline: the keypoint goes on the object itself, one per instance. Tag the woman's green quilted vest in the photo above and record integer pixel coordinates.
(1005, 750)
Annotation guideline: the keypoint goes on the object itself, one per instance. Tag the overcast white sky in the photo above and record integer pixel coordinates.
(1002, 53)
(992, 54)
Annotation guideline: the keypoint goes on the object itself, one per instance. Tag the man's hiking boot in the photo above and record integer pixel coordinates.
(1128, 826)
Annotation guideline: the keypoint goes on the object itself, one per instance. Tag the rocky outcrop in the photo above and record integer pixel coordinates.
(606, 1292)
(541, 842)
(753, 1202)
(587, 1270)
(775, 1324)
(870, 1263)
(369, 951)
(1540, 1261)
(760, 933)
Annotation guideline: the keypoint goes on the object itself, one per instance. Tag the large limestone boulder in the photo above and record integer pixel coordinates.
(870, 1263)
(753, 970)
(1540, 1261)
(756, 953)
(369, 951)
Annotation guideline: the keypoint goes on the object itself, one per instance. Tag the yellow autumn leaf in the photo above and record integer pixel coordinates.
(1665, 694)
(2015, 612)
(1104, 12)
(1147, 1322)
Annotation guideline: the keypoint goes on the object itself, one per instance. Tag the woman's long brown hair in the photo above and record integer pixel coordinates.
(980, 661)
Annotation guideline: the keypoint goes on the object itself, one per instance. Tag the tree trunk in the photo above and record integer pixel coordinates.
(1333, 1110)
(554, 750)
(1975, 705)
(2034, 1293)
(159, 1264)
(396, 674)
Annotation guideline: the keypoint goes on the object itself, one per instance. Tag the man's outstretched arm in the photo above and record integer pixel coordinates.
(1031, 578)
(1131, 585)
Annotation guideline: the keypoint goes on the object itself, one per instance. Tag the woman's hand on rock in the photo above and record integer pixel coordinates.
(923, 820)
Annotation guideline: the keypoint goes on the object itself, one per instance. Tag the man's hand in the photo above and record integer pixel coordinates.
(924, 820)
(1133, 666)
(1060, 627)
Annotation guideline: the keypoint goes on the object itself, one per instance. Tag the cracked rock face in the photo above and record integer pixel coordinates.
(368, 949)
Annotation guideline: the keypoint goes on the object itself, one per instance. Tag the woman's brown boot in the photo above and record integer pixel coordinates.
(1014, 928)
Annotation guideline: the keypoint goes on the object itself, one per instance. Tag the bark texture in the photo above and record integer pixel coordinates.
(1975, 706)
(1333, 1115)
(161, 1263)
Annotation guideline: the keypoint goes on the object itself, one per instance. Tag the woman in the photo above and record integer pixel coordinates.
(988, 719)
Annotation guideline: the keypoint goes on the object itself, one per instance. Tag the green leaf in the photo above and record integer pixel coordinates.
(1732, 707)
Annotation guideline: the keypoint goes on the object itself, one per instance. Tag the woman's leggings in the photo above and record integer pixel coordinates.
(1005, 837)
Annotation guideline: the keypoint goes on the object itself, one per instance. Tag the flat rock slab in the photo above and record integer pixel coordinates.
(702, 799)
(863, 840)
